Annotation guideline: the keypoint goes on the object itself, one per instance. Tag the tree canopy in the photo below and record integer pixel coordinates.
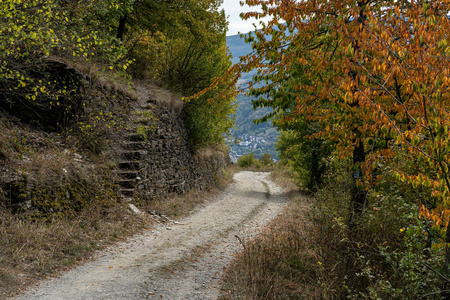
(374, 78)
(179, 44)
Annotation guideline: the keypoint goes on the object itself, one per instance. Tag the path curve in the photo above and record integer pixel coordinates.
(183, 261)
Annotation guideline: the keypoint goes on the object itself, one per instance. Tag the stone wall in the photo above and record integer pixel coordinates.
(149, 156)
(155, 158)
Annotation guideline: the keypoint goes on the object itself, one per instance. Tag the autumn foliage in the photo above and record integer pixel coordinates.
(374, 78)
(374, 73)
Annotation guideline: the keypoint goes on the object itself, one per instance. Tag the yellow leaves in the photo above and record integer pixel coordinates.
(350, 50)
(442, 44)
(436, 193)
(383, 66)
(437, 220)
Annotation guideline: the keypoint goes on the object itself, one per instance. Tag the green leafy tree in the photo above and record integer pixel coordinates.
(30, 33)
(183, 46)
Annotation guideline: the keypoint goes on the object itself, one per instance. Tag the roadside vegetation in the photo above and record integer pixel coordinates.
(359, 91)
(309, 252)
(74, 209)
(252, 163)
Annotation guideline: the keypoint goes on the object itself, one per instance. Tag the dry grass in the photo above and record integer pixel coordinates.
(309, 253)
(141, 90)
(31, 250)
(283, 178)
(34, 249)
(212, 151)
(260, 168)
(281, 263)
(149, 90)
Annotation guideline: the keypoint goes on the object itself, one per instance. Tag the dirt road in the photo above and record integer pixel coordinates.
(181, 261)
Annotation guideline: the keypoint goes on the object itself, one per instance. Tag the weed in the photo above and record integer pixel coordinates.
(251, 163)
(281, 263)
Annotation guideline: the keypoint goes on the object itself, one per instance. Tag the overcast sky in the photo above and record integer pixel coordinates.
(232, 10)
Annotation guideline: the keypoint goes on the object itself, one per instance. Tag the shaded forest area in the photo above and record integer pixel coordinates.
(120, 40)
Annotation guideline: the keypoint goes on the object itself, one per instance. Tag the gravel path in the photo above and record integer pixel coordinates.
(183, 261)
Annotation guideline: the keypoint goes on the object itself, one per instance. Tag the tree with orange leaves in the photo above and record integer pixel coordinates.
(375, 75)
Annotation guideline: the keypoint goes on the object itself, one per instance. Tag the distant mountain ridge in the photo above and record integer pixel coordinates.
(238, 47)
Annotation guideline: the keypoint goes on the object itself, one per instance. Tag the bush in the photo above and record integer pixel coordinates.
(36, 87)
(248, 160)
(306, 157)
(266, 159)
(385, 254)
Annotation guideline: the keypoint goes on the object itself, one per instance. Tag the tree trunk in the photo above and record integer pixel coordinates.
(445, 286)
(358, 194)
(121, 28)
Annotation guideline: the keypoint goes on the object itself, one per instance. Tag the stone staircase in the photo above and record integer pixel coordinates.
(132, 154)
(152, 153)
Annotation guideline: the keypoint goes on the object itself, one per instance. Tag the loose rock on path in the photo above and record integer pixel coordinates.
(182, 261)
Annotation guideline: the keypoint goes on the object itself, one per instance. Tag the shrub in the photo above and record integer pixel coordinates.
(387, 253)
(266, 159)
(248, 160)
(306, 157)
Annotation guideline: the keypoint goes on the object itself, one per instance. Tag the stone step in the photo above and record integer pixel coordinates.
(130, 165)
(127, 183)
(127, 192)
(134, 155)
(128, 174)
